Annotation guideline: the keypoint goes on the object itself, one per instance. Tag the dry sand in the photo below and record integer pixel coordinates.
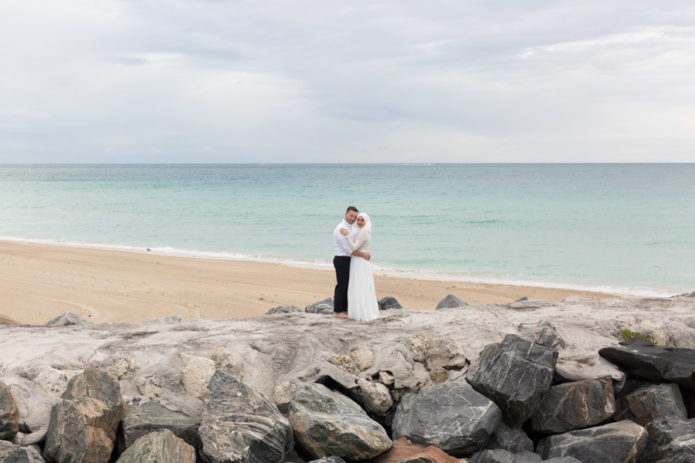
(39, 282)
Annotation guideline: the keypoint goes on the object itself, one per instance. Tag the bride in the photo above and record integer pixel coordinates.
(362, 302)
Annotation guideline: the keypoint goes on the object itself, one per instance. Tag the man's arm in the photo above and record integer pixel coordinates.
(364, 255)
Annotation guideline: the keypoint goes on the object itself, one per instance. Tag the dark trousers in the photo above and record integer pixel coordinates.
(342, 276)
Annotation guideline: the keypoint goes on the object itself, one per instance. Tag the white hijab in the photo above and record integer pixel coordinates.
(367, 223)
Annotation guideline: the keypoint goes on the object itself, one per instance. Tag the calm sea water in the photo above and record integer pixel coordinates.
(625, 226)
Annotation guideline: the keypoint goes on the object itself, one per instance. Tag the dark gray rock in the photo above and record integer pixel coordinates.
(328, 460)
(504, 456)
(283, 309)
(83, 426)
(68, 319)
(654, 363)
(512, 439)
(451, 416)
(11, 453)
(327, 423)
(542, 333)
(324, 306)
(620, 442)
(690, 294)
(562, 460)
(451, 302)
(670, 441)
(9, 415)
(239, 424)
(515, 374)
(652, 401)
(388, 303)
(577, 405)
(159, 446)
(140, 420)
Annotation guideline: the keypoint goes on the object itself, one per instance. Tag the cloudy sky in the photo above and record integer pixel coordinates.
(347, 81)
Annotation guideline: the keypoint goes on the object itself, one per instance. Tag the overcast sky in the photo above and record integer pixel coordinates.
(347, 81)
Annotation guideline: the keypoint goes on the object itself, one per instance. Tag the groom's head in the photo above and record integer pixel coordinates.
(351, 214)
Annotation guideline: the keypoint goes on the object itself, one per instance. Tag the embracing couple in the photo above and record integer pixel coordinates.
(354, 295)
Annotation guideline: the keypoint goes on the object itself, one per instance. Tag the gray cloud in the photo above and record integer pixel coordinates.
(219, 81)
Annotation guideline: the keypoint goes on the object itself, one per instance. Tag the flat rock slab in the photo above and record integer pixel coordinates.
(576, 405)
(620, 442)
(159, 446)
(9, 414)
(239, 424)
(670, 441)
(328, 423)
(654, 363)
(515, 374)
(83, 426)
(140, 420)
(452, 416)
(11, 453)
(404, 451)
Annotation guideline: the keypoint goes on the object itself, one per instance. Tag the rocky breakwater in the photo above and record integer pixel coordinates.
(528, 381)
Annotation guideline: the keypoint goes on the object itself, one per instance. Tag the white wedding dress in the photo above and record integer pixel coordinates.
(362, 301)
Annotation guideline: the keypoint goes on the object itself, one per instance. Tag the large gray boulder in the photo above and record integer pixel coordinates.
(239, 424)
(577, 405)
(140, 420)
(652, 401)
(328, 423)
(670, 441)
(11, 453)
(159, 446)
(515, 374)
(451, 302)
(68, 319)
(9, 414)
(324, 306)
(620, 442)
(504, 456)
(388, 303)
(654, 363)
(451, 416)
(83, 426)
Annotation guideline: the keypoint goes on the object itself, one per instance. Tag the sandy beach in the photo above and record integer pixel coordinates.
(40, 281)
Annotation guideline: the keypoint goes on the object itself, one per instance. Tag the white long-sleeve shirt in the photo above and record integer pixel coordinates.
(342, 248)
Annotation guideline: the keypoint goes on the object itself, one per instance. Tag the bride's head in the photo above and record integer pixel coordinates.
(363, 222)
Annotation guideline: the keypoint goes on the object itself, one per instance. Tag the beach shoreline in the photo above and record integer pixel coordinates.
(41, 281)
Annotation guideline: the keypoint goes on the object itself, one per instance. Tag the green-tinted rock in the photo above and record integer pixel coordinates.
(140, 420)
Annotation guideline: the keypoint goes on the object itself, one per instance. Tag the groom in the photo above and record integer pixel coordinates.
(341, 261)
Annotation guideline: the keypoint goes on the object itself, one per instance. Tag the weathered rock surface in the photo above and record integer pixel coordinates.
(562, 460)
(374, 396)
(140, 420)
(619, 442)
(578, 367)
(83, 426)
(159, 446)
(239, 424)
(324, 306)
(577, 405)
(512, 439)
(504, 456)
(451, 302)
(543, 333)
(327, 423)
(654, 363)
(451, 416)
(404, 451)
(9, 415)
(283, 394)
(362, 357)
(34, 406)
(11, 453)
(515, 374)
(388, 303)
(283, 309)
(670, 441)
(652, 401)
(331, 459)
(196, 374)
(68, 319)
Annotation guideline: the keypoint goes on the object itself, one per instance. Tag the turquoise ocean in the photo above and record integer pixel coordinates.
(622, 227)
